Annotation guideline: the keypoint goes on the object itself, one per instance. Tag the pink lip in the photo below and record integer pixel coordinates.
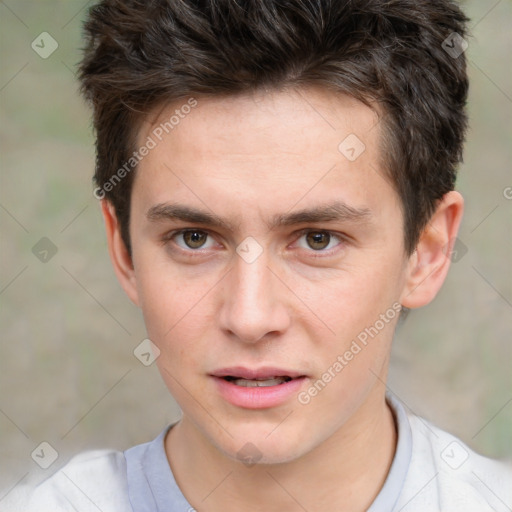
(257, 397)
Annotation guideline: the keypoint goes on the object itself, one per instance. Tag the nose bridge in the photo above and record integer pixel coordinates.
(253, 280)
(253, 304)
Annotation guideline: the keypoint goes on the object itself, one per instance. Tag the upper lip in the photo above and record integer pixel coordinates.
(265, 372)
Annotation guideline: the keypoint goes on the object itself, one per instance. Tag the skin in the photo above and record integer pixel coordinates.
(247, 159)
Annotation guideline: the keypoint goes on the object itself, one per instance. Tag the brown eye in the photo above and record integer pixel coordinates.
(194, 239)
(318, 240)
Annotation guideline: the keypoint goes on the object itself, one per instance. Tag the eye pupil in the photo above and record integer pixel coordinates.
(194, 239)
(317, 240)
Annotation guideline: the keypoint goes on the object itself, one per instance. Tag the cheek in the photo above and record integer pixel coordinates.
(174, 308)
(352, 300)
(353, 363)
(362, 309)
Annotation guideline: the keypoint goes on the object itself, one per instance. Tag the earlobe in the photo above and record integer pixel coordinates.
(119, 255)
(429, 264)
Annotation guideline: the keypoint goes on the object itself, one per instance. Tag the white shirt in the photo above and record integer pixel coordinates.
(431, 471)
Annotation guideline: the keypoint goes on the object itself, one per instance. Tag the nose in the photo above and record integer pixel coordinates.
(254, 306)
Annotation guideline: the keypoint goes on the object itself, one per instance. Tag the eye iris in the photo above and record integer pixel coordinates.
(317, 240)
(194, 239)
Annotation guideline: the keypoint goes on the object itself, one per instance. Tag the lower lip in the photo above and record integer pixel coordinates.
(262, 397)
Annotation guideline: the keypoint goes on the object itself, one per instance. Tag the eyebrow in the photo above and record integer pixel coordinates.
(336, 211)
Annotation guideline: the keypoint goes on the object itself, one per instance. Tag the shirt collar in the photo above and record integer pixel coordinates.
(153, 488)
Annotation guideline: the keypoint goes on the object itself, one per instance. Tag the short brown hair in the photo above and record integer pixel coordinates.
(140, 54)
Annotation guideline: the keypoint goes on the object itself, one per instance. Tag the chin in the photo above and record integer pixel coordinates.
(254, 446)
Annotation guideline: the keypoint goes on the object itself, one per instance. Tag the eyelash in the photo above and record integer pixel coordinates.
(169, 237)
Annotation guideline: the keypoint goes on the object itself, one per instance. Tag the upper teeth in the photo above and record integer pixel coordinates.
(274, 381)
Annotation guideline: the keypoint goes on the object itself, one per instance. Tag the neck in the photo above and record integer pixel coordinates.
(345, 472)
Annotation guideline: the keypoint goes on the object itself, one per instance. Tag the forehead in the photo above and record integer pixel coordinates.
(272, 117)
(264, 150)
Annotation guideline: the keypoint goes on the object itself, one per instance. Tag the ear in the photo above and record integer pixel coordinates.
(429, 264)
(121, 259)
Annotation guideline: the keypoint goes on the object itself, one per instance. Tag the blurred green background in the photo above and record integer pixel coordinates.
(68, 375)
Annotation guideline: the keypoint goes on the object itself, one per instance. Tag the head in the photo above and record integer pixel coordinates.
(276, 180)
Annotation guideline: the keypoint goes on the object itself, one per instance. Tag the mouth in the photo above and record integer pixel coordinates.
(258, 388)
(257, 383)
(261, 377)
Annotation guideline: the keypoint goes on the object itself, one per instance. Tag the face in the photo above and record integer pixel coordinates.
(269, 263)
